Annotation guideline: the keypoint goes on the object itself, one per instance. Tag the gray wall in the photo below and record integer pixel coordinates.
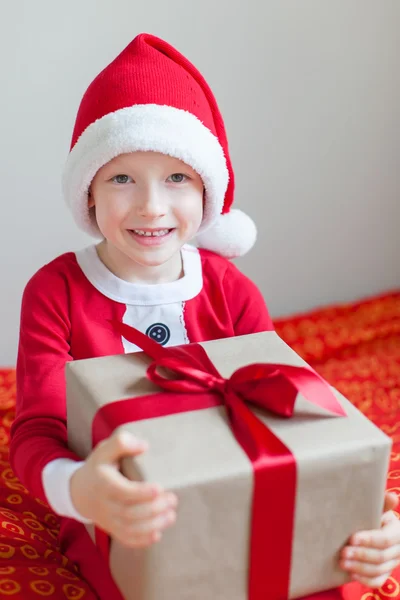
(310, 92)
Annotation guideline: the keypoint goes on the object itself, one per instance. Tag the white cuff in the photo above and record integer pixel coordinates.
(56, 478)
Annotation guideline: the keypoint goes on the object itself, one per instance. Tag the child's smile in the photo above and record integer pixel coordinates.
(151, 237)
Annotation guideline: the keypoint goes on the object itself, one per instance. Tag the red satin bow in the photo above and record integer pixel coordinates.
(273, 387)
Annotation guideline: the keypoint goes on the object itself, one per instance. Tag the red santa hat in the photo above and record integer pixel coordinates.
(151, 98)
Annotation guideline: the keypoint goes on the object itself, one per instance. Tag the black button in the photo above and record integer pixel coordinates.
(159, 333)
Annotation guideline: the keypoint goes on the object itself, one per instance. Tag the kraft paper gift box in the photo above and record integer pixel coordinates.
(237, 536)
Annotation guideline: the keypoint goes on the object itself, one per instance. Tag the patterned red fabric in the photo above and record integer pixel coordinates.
(355, 347)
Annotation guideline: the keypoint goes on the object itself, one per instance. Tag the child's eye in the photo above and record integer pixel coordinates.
(121, 179)
(178, 178)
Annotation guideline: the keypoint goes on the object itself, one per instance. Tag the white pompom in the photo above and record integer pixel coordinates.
(232, 235)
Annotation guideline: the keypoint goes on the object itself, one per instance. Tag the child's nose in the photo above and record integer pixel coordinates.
(152, 204)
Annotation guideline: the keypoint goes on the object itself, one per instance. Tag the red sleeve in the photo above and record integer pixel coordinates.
(39, 432)
(247, 305)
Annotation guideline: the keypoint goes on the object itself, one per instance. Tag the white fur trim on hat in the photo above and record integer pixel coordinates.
(145, 127)
(232, 235)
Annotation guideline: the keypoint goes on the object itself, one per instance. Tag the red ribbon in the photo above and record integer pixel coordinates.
(272, 387)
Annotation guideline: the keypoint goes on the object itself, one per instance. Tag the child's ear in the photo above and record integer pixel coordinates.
(90, 199)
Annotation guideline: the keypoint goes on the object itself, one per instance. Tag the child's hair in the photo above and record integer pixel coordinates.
(151, 98)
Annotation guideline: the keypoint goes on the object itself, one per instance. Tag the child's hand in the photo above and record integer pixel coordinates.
(134, 513)
(372, 555)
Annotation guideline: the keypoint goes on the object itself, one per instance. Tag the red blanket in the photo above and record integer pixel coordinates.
(355, 347)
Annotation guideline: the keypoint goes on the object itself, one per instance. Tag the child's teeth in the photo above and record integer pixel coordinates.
(149, 233)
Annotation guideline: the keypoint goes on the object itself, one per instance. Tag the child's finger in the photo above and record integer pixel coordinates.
(371, 555)
(391, 501)
(388, 517)
(138, 541)
(127, 516)
(122, 490)
(365, 569)
(383, 538)
(372, 582)
(158, 523)
(118, 445)
(147, 510)
(144, 532)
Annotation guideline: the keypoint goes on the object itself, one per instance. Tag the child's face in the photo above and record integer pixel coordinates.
(147, 206)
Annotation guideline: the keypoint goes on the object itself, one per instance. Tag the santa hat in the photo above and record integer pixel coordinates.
(151, 98)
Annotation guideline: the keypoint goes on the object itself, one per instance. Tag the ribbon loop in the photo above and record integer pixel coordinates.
(193, 379)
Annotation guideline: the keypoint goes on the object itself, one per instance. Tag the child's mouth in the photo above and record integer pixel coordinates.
(151, 237)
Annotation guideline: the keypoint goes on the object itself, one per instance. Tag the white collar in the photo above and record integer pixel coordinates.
(113, 287)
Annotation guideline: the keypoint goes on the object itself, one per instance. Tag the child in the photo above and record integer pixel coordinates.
(148, 170)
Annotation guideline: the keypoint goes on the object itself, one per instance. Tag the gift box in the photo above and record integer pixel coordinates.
(273, 468)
